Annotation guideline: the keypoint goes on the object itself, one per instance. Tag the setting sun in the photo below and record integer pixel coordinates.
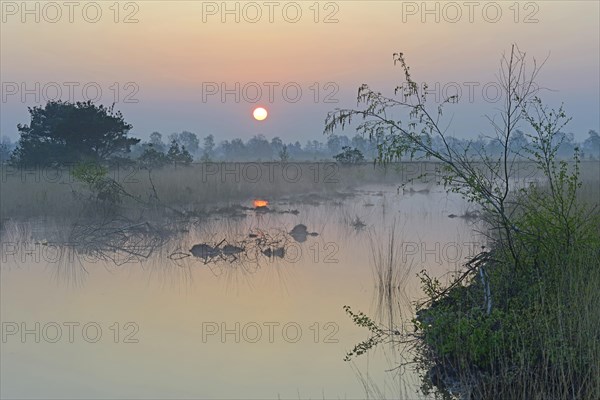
(260, 114)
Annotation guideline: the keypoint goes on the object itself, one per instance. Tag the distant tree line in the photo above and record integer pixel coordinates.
(257, 147)
(62, 132)
(344, 148)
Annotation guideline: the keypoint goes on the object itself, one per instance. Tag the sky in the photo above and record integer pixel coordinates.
(204, 66)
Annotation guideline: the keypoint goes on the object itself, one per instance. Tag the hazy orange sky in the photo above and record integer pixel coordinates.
(171, 53)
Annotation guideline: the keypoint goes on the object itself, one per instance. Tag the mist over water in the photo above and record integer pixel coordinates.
(273, 325)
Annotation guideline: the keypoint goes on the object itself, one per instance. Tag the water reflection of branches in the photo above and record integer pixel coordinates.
(118, 240)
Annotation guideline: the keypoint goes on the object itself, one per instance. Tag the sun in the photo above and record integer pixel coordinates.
(259, 113)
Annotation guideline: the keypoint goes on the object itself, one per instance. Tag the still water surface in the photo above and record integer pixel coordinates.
(241, 327)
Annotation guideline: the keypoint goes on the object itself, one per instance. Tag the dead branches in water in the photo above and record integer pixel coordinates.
(118, 240)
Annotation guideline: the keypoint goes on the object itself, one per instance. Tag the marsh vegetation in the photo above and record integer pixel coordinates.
(515, 316)
(517, 321)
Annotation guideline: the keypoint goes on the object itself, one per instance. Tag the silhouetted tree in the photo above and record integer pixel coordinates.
(336, 143)
(63, 132)
(295, 150)
(190, 141)
(284, 156)
(179, 155)
(349, 156)
(209, 148)
(6, 148)
(517, 143)
(187, 139)
(566, 144)
(235, 150)
(152, 158)
(591, 145)
(260, 148)
(157, 142)
(276, 145)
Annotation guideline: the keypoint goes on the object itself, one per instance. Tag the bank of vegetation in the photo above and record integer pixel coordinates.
(520, 321)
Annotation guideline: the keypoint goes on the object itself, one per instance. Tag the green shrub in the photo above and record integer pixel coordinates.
(102, 187)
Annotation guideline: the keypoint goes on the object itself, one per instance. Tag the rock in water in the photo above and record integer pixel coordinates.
(300, 232)
(204, 251)
(299, 229)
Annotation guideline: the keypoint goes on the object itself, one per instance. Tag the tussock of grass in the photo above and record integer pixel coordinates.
(542, 339)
